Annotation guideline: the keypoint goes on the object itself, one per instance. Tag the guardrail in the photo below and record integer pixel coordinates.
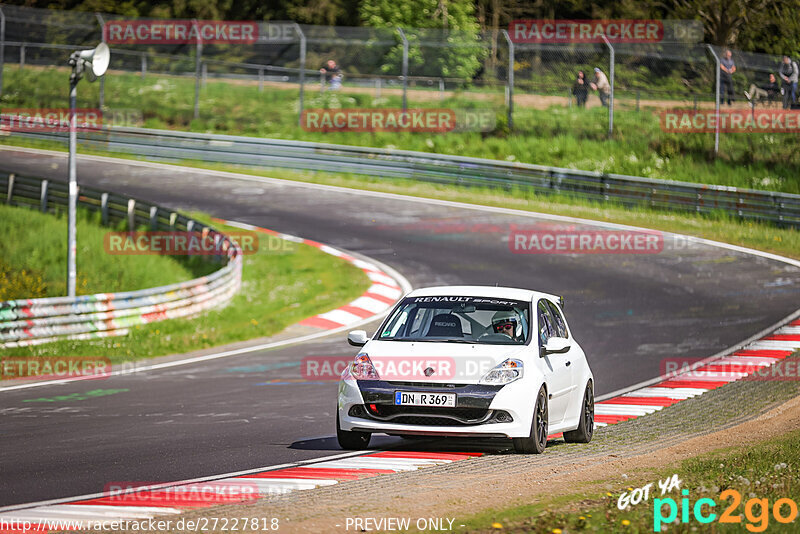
(779, 208)
(41, 320)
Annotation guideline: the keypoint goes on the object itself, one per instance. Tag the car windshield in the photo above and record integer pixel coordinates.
(484, 320)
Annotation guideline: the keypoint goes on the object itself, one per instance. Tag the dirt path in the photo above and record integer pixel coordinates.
(521, 99)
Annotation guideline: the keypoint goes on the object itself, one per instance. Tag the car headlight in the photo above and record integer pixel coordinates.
(362, 368)
(505, 373)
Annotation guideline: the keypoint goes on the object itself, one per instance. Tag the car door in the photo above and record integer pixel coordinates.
(575, 359)
(557, 367)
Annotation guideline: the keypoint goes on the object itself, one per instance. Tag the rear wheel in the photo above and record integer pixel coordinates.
(537, 440)
(350, 440)
(585, 430)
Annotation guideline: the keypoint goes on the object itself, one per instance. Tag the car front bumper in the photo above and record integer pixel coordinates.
(481, 410)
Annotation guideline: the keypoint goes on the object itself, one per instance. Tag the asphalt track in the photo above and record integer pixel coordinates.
(629, 312)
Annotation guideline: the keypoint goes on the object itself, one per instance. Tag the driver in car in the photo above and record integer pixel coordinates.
(507, 322)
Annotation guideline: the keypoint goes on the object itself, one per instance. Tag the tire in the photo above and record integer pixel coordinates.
(536, 442)
(351, 441)
(585, 430)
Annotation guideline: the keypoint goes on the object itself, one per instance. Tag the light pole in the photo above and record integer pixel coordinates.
(94, 63)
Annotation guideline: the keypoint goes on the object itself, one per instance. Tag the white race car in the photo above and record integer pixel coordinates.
(469, 361)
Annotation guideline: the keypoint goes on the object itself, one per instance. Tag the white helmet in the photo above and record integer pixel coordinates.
(504, 317)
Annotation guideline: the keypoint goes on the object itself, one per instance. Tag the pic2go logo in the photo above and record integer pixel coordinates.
(756, 511)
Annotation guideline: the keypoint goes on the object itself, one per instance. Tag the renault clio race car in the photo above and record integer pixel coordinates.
(469, 361)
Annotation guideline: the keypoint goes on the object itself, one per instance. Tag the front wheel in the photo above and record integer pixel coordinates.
(585, 430)
(349, 440)
(537, 440)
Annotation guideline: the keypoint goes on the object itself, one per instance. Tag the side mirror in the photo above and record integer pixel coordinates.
(357, 338)
(555, 345)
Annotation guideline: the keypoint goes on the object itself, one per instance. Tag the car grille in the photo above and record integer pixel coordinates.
(424, 415)
(388, 410)
(427, 384)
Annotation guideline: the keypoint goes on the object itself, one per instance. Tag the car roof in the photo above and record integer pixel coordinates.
(482, 291)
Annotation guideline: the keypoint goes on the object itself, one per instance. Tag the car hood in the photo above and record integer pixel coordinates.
(449, 362)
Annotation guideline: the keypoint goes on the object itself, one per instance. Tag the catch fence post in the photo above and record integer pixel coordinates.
(197, 68)
(302, 73)
(2, 47)
(510, 80)
(716, 98)
(405, 67)
(102, 78)
(611, 83)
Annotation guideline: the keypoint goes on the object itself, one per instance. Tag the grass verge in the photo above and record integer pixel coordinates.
(282, 283)
(760, 474)
(558, 136)
(33, 263)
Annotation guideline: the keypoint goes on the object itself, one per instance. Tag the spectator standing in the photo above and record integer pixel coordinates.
(728, 67)
(789, 73)
(769, 91)
(601, 85)
(333, 75)
(581, 89)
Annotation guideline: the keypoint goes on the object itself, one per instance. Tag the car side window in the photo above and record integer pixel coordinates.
(558, 320)
(545, 322)
(393, 328)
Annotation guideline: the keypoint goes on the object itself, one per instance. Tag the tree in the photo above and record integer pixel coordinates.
(722, 19)
(494, 15)
(443, 35)
(443, 14)
(774, 30)
(324, 12)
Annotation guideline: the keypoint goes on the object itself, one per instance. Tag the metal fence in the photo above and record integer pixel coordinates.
(418, 63)
(41, 320)
(396, 67)
(746, 204)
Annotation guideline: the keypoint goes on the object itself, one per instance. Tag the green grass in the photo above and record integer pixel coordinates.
(33, 259)
(282, 284)
(769, 470)
(557, 136)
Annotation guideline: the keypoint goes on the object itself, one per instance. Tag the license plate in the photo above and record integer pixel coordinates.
(416, 398)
